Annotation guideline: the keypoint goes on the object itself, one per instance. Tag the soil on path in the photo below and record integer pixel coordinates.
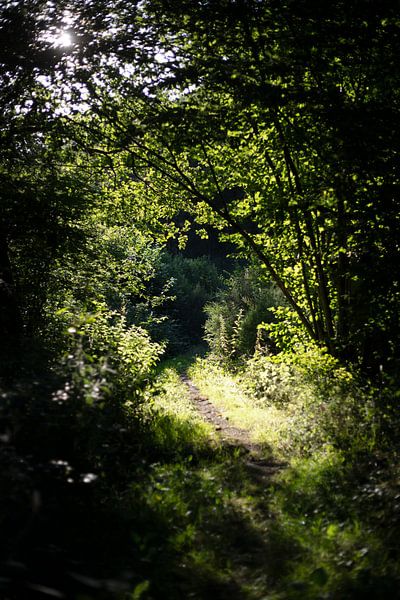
(233, 437)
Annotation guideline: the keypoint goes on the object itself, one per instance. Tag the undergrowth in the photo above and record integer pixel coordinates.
(339, 499)
(205, 520)
(152, 506)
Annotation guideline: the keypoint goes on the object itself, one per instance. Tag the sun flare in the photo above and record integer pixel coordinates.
(64, 39)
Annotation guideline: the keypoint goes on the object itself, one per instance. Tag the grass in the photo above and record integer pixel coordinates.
(141, 501)
(339, 513)
(177, 425)
(267, 425)
(191, 520)
(205, 520)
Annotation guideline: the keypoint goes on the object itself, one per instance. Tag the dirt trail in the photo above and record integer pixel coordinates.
(231, 436)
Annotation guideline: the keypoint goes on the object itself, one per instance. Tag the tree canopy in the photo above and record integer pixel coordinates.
(277, 123)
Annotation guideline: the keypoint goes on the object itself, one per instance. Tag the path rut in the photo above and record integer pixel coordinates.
(231, 436)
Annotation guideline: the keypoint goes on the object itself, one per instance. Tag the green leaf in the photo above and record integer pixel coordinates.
(140, 589)
(320, 577)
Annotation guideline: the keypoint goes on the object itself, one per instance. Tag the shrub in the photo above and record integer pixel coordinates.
(271, 382)
(233, 318)
(189, 284)
(107, 358)
(72, 435)
(324, 402)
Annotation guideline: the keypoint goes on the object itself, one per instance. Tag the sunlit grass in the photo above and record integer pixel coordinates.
(339, 526)
(200, 507)
(207, 527)
(267, 425)
(176, 424)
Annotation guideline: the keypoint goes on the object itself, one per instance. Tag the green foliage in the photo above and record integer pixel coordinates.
(285, 330)
(337, 512)
(270, 382)
(177, 428)
(297, 404)
(263, 130)
(261, 126)
(325, 403)
(44, 201)
(278, 125)
(71, 437)
(108, 359)
(245, 302)
(114, 268)
(189, 283)
(337, 502)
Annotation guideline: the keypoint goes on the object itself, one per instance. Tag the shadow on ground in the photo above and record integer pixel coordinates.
(96, 504)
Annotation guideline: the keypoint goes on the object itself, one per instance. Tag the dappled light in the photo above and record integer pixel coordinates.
(64, 39)
(199, 300)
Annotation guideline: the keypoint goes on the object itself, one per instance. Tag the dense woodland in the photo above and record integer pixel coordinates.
(204, 189)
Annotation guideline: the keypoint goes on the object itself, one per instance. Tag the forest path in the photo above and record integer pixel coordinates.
(232, 437)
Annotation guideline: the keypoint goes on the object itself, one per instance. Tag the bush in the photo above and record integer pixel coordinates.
(324, 402)
(188, 284)
(231, 329)
(271, 382)
(72, 435)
